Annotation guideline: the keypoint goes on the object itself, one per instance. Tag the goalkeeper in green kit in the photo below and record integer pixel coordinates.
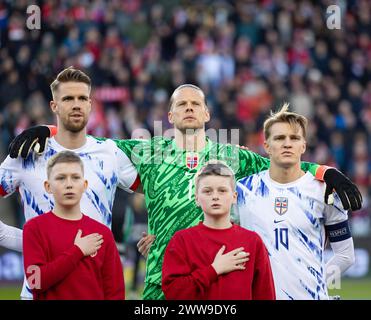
(167, 168)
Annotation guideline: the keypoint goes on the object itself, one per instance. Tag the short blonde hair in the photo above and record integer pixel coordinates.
(69, 74)
(283, 115)
(215, 168)
(63, 157)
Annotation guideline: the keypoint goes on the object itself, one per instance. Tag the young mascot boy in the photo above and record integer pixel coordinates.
(216, 260)
(68, 255)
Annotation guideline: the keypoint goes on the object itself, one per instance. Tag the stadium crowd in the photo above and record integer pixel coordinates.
(248, 56)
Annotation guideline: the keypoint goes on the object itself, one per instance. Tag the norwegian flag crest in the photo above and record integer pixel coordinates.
(281, 205)
(192, 160)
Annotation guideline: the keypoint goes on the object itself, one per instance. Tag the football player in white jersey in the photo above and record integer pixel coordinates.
(106, 166)
(285, 206)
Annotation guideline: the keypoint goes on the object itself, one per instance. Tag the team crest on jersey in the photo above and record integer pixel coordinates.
(192, 160)
(280, 205)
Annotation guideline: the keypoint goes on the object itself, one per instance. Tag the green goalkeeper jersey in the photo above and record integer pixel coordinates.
(167, 176)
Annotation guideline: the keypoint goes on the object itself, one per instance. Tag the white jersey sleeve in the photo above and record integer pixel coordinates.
(10, 173)
(10, 237)
(127, 173)
(342, 259)
(335, 213)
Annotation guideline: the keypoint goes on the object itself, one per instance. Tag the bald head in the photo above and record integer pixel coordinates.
(186, 86)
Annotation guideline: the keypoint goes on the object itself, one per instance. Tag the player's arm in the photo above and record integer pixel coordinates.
(35, 139)
(251, 163)
(129, 157)
(339, 235)
(112, 272)
(263, 283)
(133, 148)
(179, 281)
(10, 176)
(343, 257)
(128, 177)
(10, 237)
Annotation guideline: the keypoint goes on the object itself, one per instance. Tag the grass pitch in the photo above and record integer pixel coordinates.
(351, 289)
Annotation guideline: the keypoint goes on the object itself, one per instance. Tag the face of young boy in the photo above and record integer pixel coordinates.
(66, 183)
(215, 195)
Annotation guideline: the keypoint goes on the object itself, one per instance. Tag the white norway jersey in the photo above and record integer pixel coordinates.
(290, 218)
(105, 167)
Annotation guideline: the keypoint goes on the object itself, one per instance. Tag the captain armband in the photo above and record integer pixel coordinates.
(339, 231)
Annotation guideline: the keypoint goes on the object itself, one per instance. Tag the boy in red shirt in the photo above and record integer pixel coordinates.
(68, 255)
(216, 260)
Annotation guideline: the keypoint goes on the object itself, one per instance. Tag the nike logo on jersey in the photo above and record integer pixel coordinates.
(277, 221)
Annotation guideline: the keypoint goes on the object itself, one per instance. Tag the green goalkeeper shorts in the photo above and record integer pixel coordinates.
(153, 292)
